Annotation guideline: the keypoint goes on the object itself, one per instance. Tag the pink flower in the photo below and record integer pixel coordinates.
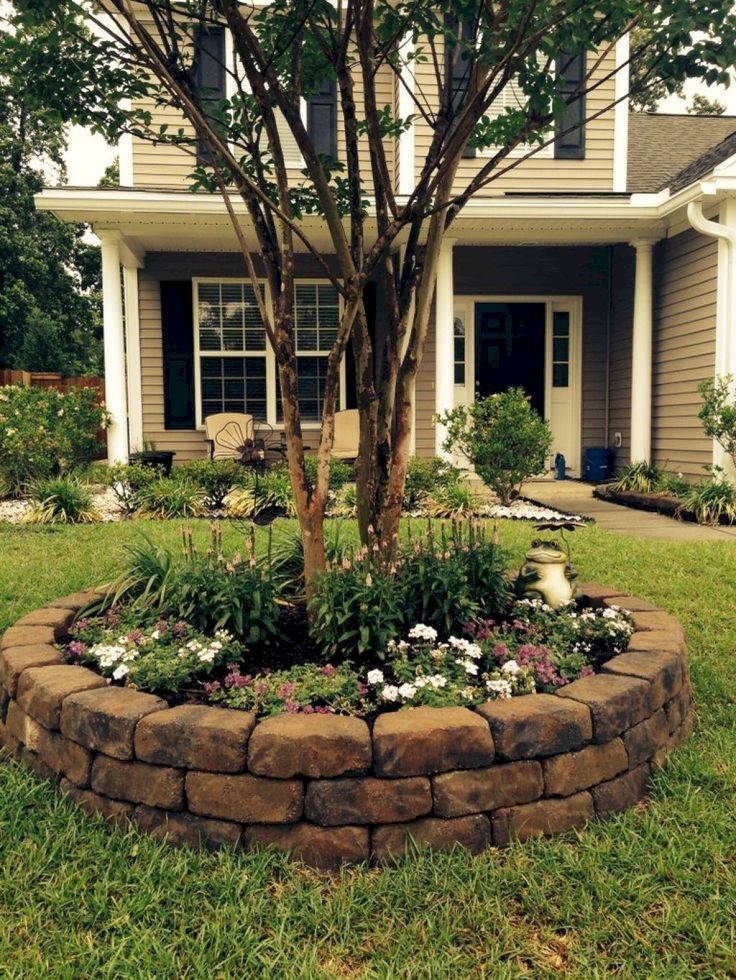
(210, 687)
(308, 709)
(291, 707)
(261, 687)
(500, 651)
(135, 636)
(329, 670)
(76, 648)
(287, 689)
(179, 627)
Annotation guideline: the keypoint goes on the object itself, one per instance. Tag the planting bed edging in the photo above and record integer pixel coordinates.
(328, 788)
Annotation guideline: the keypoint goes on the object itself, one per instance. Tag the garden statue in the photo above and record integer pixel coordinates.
(547, 572)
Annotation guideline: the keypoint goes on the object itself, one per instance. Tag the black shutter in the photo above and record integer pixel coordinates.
(209, 74)
(322, 119)
(177, 339)
(462, 68)
(571, 72)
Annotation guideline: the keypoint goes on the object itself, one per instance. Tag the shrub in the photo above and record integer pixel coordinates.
(504, 439)
(453, 501)
(426, 475)
(214, 477)
(446, 580)
(273, 489)
(639, 478)
(241, 502)
(711, 501)
(127, 481)
(44, 432)
(356, 608)
(340, 472)
(674, 484)
(168, 497)
(61, 500)
(718, 413)
(345, 502)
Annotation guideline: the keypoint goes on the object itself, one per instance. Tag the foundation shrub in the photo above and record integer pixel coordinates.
(426, 476)
(215, 478)
(169, 497)
(61, 500)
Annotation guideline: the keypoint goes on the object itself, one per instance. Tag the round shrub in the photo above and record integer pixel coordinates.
(61, 500)
(214, 477)
(504, 439)
(426, 476)
(169, 497)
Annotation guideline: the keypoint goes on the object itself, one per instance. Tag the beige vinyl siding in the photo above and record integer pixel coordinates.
(685, 288)
(537, 271)
(163, 266)
(540, 173)
(163, 166)
(619, 375)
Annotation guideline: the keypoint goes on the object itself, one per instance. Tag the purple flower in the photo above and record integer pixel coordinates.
(79, 627)
(210, 687)
(501, 651)
(291, 707)
(76, 649)
(308, 709)
(287, 689)
(135, 636)
(162, 625)
(261, 687)
(179, 627)
(587, 672)
(329, 670)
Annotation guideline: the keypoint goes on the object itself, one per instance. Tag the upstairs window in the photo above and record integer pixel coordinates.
(322, 119)
(571, 70)
(462, 68)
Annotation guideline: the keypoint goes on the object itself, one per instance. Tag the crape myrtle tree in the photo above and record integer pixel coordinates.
(102, 57)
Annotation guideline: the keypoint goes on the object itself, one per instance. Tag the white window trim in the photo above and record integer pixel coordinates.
(268, 354)
(523, 149)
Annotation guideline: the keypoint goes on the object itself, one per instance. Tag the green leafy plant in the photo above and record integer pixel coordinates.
(168, 497)
(340, 472)
(46, 433)
(673, 484)
(454, 500)
(127, 481)
(718, 413)
(345, 502)
(641, 477)
(503, 437)
(426, 475)
(61, 500)
(214, 477)
(711, 501)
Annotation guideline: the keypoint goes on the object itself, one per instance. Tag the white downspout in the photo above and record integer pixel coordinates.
(725, 233)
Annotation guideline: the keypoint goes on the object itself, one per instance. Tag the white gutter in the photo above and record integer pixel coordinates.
(725, 233)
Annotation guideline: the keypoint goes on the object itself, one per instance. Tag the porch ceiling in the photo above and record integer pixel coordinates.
(155, 221)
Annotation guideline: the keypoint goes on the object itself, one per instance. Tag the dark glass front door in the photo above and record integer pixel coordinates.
(509, 349)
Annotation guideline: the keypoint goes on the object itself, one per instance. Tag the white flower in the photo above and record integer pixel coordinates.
(223, 635)
(216, 646)
(206, 656)
(511, 668)
(500, 688)
(107, 656)
(390, 693)
(155, 635)
(468, 666)
(422, 632)
(468, 648)
(375, 676)
(120, 672)
(610, 614)
(407, 691)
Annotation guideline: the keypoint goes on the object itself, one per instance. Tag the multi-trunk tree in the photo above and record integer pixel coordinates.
(103, 57)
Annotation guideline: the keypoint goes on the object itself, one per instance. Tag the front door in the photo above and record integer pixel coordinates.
(510, 342)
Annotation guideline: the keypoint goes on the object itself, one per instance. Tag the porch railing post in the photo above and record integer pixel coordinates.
(641, 355)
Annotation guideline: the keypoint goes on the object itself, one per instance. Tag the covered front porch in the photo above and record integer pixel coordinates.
(532, 291)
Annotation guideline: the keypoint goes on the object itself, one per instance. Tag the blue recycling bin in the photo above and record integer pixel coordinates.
(598, 464)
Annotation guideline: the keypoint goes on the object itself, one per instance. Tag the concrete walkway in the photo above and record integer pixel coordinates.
(577, 498)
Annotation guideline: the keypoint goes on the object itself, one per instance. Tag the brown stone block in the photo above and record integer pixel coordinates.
(684, 731)
(37, 764)
(41, 690)
(616, 703)
(569, 773)
(114, 811)
(196, 737)
(661, 641)
(594, 595)
(646, 621)
(4, 702)
(58, 619)
(427, 740)
(471, 832)
(105, 720)
(319, 847)
(536, 725)
(677, 709)
(623, 792)
(479, 790)
(138, 782)
(15, 660)
(23, 728)
(64, 757)
(309, 745)
(630, 604)
(367, 800)
(245, 798)
(553, 816)
(643, 740)
(75, 601)
(185, 830)
(26, 636)
(662, 670)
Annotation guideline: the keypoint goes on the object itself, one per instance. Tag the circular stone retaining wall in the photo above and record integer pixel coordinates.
(330, 789)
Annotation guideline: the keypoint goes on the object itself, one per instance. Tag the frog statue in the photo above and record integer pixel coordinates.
(547, 574)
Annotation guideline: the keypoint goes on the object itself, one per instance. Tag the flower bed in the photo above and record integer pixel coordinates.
(331, 788)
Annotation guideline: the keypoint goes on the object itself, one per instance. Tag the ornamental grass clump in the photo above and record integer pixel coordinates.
(62, 500)
(170, 497)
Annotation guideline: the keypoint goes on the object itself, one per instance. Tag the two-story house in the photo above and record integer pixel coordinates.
(599, 274)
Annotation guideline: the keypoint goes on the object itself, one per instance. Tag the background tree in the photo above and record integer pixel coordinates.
(49, 273)
(701, 105)
(287, 50)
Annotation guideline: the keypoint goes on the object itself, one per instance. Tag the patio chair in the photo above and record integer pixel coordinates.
(347, 434)
(228, 434)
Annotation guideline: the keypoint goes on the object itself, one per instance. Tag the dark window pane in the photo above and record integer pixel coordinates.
(459, 374)
(561, 324)
(560, 375)
(560, 349)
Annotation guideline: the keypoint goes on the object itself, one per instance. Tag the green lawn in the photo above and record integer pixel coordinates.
(651, 893)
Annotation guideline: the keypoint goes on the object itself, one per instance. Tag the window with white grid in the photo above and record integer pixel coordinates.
(316, 319)
(232, 350)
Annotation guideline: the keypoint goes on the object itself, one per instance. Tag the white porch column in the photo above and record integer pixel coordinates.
(133, 357)
(114, 346)
(444, 379)
(641, 356)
